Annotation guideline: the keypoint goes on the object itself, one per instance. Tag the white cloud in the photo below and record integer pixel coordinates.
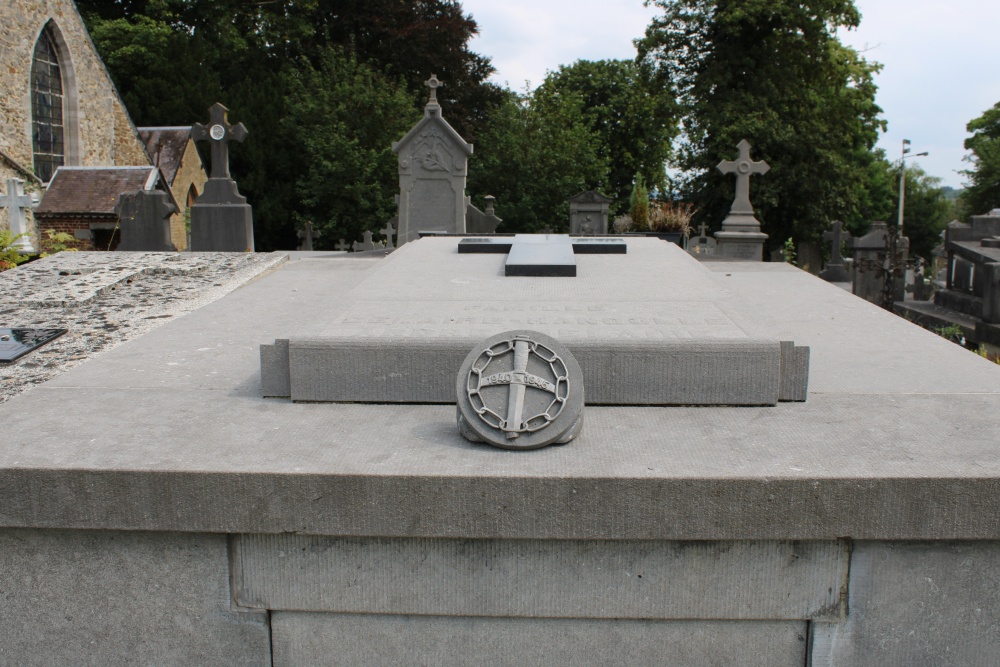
(940, 67)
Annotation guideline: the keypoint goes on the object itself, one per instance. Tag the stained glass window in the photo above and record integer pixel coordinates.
(47, 128)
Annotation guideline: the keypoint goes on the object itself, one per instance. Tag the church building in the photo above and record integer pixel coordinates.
(58, 105)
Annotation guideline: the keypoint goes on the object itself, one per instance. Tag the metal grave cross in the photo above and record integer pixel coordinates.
(542, 255)
(220, 133)
(307, 234)
(837, 238)
(16, 203)
(743, 167)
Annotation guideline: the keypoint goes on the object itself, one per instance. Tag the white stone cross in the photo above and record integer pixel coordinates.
(743, 167)
(307, 234)
(342, 245)
(387, 233)
(16, 203)
(433, 83)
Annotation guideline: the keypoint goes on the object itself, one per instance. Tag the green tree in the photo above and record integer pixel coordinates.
(638, 204)
(926, 210)
(172, 59)
(346, 116)
(533, 153)
(632, 116)
(982, 191)
(772, 72)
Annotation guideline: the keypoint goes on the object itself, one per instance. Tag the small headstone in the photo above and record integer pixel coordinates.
(368, 244)
(520, 390)
(836, 270)
(342, 246)
(307, 234)
(387, 233)
(221, 220)
(741, 237)
(702, 245)
(358, 246)
(879, 265)
(19, 341)
(588, 213)
(144, 220)
(16, 203)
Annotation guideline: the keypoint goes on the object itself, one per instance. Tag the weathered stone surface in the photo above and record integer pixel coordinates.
(106, 598)
(540, 578)
(917, 604)
(327, 639)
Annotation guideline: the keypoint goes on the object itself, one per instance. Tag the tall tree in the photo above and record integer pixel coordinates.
(171, 59)
(632, 116)
(535, 151)
(982, 191)
(772, 72)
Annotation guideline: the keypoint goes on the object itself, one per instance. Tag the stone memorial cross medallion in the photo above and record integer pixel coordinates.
(520, 390)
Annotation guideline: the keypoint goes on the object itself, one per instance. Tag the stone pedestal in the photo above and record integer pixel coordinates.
(747, 246)
(144, 219)
(221, 220)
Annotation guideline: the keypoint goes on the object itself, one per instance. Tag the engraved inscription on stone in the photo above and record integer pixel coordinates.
(17, 342)
(520, 390)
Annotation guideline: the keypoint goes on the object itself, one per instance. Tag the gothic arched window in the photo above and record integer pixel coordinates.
(47, 126)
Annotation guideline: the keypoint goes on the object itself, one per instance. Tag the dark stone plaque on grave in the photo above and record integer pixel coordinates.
(19, 341)
(542, 255)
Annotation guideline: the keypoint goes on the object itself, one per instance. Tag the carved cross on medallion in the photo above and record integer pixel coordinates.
(220, 133)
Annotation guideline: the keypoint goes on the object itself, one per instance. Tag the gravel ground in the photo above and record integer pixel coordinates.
(106, 298)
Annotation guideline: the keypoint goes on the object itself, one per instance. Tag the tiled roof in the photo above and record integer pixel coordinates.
(93, 190)
(166, 146)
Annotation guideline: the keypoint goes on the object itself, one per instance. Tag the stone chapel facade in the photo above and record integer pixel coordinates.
(58, 105)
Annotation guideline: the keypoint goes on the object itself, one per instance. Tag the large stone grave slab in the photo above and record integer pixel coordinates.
(854, 528)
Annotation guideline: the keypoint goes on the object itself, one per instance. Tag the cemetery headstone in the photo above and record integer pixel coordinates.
(588, 213)
(741, 237)
(221, 219)
(388, 232)
(879, 266)
(307, 234)
(478, 222)
(702, 245)
(836, 270)
(342, 245)
(433, 163)
(144, 221)
(16, 203)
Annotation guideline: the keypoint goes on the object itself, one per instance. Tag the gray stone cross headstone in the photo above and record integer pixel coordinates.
(387, 233)
(743, 167)
(433, 83)
(144, 220)
(16, 203)
(369, 245)
(835, 271)
(307, 234)
(342, 245)
(220, 133)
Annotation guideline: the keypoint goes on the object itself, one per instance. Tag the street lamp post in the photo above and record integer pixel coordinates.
(902, 181)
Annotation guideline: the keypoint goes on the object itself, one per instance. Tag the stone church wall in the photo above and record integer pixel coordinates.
(104, 134)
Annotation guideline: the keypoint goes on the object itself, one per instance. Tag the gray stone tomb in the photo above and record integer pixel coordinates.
(740, 237)
(702, 245)
(144, 219)
(221, 219)
(16, 203)
(588, 213)
(879, 259)
(479, 222)
(433, 163)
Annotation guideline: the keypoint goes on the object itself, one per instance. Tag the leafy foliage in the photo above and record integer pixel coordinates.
(632, 117)
(772, 72)
(9, 256)
(534, 152)
(982, 193)
(926, 211)
(638, 204)
(172, 59)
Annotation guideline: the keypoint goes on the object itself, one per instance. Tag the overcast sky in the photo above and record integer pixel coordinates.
(941, 64)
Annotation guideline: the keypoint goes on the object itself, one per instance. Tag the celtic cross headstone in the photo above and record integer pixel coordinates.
(221, 219)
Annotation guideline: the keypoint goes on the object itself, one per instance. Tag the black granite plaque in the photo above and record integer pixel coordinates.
(600, 247)
(541, 255)
(19, 341)
(500, 246)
